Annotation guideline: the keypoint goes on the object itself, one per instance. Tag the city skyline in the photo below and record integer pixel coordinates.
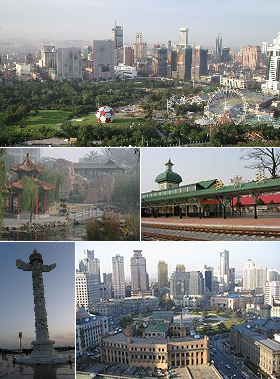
(204, 20)
(239, 253)
(17, 314)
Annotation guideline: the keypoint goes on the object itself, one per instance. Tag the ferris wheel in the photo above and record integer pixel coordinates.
(225, 106)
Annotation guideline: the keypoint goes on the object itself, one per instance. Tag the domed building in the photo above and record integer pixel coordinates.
(168, 179)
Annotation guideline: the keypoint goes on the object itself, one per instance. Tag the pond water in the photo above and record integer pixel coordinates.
(77, 233)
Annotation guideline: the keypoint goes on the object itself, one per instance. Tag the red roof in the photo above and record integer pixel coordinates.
(248, 200)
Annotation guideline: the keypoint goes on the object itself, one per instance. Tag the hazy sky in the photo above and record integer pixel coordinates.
(17, 306)
(194, 164)
(192, 254)
(240, 22)
(71, 154)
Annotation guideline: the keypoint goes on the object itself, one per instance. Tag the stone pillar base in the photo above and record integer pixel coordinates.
(43, 349)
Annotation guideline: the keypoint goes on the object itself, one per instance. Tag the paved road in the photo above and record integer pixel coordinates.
(222, 359)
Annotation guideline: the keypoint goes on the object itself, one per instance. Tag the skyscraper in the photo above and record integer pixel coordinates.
(87, 289)
(89, 264)
(162, 270)
(184, 37)
(140, 53)
(117, 36)
(224, 268)
(249, 275)
(179, 282)
(139, 277)
(252, 56)
(272, 84)
(272, 293)
(196, 284)
(219, 44)
(103, 59)
(68, 63)
(118, 277)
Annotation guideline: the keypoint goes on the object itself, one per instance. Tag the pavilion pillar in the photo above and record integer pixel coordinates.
(45, 203)
(199, 212)
(187, 211)
(180, 212)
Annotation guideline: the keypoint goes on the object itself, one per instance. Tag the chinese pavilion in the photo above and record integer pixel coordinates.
(27, 169)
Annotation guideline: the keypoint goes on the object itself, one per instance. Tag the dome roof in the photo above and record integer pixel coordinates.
(168, 175)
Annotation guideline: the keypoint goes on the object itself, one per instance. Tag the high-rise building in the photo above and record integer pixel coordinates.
(272, 84)
(159, 62)
(128, 56)
(48, 56)
(184, 37)
(249, 275)
(103, 59)
(208, 279)
(272, 275)
(87, 289)
(261, 278)
(225, 54)
(196, 284)
(117, 36)
(224, 268)
(179, 282)
(162, 271)
(139, 277)
(108, 284)
(251, 56)
(272, 293)
(68, 64)
(90, 264)
(184, 63)
(140, 53)
(199, 62)
(219, 44)
(118, 277)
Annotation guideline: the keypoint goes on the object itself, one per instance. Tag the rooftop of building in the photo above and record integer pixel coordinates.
(121, 338)
(255, 336)
(245, 188)
(156, 328)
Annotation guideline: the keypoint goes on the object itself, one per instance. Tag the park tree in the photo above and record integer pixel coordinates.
(264, 158)
(29, 195)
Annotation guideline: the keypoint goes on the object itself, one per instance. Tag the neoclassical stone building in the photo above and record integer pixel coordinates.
(155, 352)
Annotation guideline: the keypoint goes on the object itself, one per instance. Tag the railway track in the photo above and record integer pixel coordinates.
(177, 232)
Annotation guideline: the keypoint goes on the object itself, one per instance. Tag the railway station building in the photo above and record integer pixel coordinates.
(210, 198)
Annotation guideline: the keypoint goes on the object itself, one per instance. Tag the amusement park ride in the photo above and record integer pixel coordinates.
(226, 106)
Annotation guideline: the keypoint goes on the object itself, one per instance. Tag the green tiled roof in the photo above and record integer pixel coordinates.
(169, 176)
(156, 328)
(246, 188)
(207, 183)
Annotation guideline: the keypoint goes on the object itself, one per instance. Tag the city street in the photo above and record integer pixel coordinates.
(227, 363)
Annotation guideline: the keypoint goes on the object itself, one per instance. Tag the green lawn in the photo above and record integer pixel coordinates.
(92, 120)
(33, 122)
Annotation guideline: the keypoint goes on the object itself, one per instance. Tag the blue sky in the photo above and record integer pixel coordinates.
(17, 307)
(240, 22)
(192, 254)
